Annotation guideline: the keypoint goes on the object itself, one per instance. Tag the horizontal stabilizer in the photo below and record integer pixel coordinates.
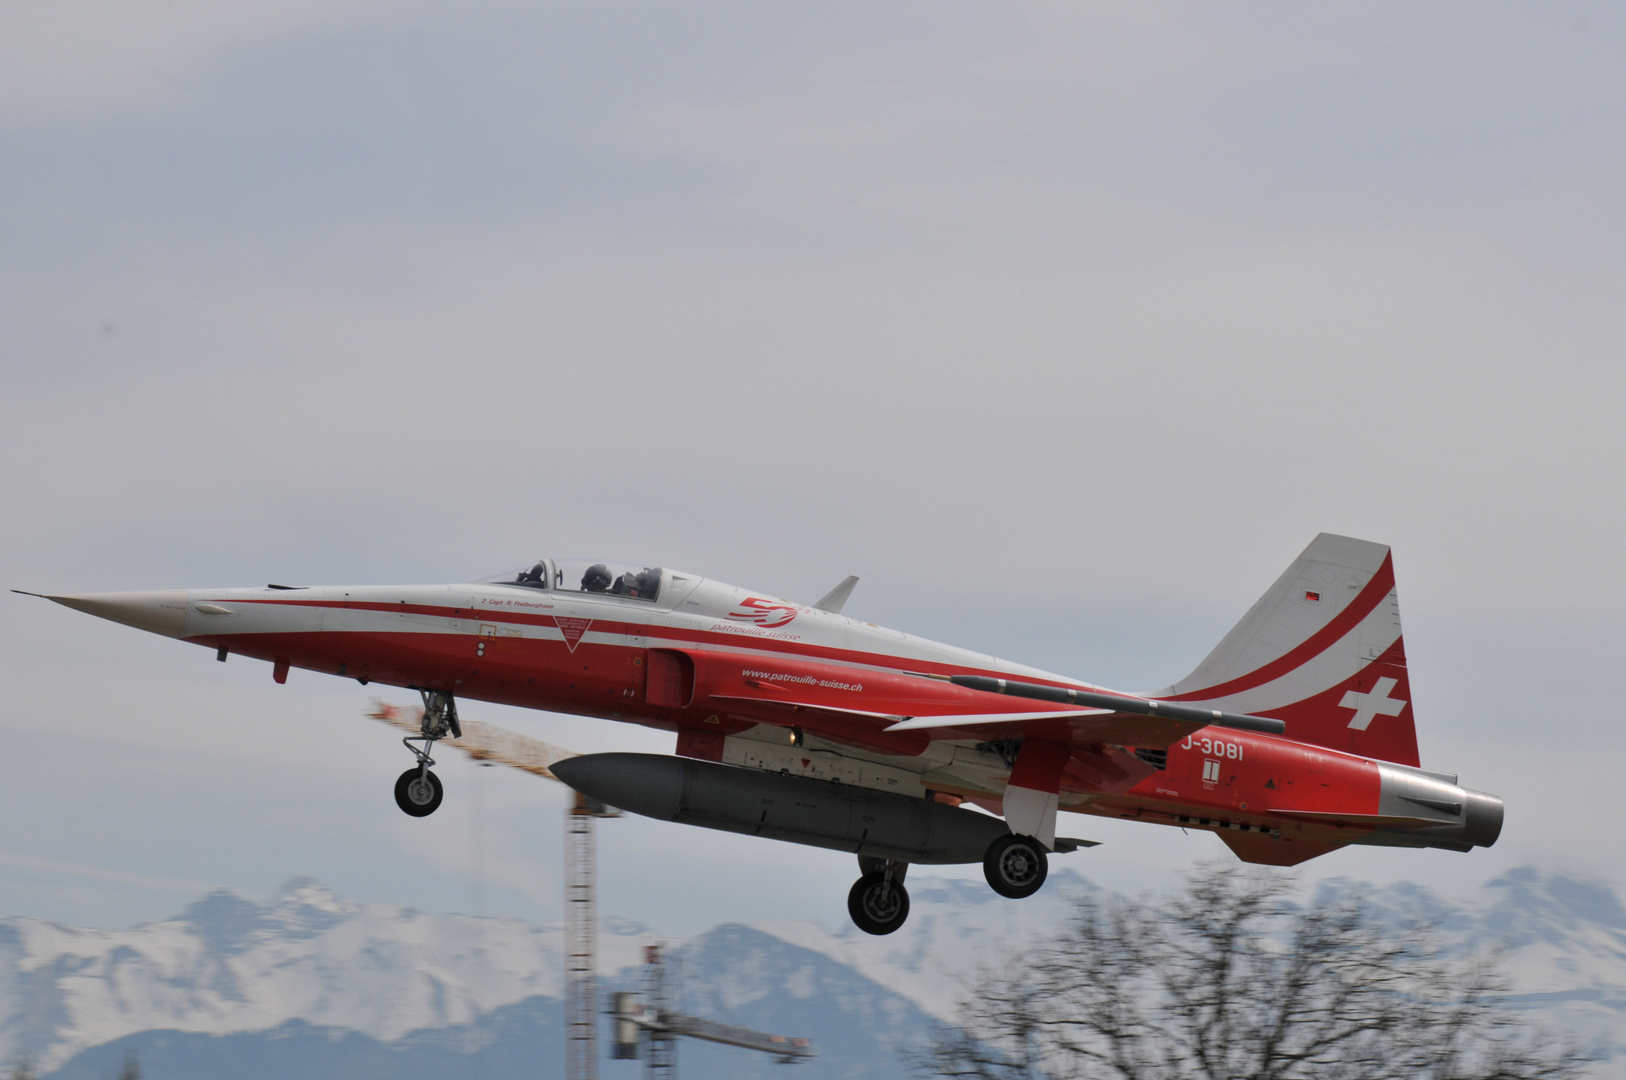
(1268, 851)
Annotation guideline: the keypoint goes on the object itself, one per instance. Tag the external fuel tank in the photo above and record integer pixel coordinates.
(801, 810)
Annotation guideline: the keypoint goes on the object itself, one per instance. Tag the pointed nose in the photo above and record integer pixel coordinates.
(161, 611)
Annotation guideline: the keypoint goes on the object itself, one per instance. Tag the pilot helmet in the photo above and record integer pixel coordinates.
(597, 578)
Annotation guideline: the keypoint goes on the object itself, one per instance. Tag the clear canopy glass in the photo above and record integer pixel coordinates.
(596, 576)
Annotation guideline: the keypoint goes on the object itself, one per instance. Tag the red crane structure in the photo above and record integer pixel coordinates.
(650, 1028)
(492, 745)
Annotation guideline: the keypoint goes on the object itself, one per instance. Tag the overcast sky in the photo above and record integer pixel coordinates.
(1065, 326)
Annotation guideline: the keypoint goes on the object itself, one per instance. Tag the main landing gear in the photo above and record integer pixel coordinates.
(1015, 866)
(878, 902)
(418, 791)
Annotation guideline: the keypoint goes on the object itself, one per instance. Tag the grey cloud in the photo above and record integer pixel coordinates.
(1065, 330)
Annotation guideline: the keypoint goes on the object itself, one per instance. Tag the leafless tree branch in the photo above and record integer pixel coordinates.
(1228, 980)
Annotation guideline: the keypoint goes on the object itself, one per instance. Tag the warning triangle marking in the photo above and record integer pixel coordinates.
(572, 629)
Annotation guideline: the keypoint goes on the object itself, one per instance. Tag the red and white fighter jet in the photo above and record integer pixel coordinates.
(1292, 738)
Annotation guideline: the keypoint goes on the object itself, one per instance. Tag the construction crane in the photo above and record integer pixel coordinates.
(653, 1027)
(581, 933)
(492, 745)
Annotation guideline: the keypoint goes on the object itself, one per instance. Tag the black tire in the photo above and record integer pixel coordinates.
(1015, 866)
(876, 906)
(419, 800)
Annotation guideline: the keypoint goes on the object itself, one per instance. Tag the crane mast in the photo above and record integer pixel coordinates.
(659, 1024)
(581, 934)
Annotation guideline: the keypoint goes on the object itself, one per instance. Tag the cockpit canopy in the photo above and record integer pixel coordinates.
(599, 577)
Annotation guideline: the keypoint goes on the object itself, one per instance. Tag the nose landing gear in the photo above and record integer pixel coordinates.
(878, 902)
(418, 791)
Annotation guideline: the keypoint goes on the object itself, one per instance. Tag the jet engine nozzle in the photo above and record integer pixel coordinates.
(1426, 810)
(1484, 818)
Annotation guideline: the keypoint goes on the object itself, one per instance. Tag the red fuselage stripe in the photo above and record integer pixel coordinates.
(799, 649)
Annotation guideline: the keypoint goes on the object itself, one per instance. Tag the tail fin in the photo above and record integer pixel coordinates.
(1322, 651)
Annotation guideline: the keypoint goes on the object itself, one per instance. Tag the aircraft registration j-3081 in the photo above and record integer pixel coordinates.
(1294, 737)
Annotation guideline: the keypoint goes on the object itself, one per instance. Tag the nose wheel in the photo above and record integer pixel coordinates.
(418, 791)
(878, 902)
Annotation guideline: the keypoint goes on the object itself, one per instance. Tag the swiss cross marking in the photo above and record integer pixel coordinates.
(1369, 706)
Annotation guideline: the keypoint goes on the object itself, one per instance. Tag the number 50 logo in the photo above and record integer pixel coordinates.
(765, 613)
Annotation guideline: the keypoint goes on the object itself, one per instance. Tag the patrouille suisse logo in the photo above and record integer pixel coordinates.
(764, 613)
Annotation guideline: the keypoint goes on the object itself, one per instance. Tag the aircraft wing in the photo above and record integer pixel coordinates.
(909, 719)
(1074, 727)
(783, 703)
(1092, 725)
(900, 713)
(1116, 718)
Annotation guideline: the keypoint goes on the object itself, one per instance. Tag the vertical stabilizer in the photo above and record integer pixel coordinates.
(1322, 651)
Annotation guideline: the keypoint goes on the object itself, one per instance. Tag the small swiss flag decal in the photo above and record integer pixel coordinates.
(1313, 597)
(572, 629)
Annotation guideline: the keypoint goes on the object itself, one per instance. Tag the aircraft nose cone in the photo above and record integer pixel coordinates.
(160, 611)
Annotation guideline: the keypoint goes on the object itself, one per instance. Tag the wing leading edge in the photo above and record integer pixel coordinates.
(1101, 714)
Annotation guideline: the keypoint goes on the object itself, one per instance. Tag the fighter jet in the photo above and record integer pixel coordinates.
(1293, 737)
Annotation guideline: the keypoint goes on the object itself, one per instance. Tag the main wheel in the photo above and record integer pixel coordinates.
(876, 905)
(418, 792)
(1015, 866)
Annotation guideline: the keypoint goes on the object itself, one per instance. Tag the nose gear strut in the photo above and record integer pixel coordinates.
(418, 791)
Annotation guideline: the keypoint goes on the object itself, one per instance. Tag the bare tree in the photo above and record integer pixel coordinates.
(1229, 981)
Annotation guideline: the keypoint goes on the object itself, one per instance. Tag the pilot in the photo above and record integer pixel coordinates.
(536, 576)
(597, 578)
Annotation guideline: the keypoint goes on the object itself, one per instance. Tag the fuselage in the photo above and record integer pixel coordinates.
(746, 679)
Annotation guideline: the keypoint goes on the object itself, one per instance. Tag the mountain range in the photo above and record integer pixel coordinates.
(308, 983)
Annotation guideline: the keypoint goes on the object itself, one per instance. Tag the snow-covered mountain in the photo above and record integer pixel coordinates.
(310, 984)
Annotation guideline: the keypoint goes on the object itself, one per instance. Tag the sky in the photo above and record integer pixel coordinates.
(1065, 327)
